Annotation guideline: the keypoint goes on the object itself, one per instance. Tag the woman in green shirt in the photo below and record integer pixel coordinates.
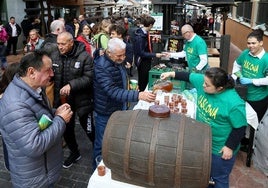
(219, 106)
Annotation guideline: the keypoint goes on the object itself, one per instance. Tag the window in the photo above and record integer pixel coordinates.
(244, 11)
(262, 13)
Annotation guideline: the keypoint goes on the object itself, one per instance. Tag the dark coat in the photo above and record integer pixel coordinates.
(129, 52)
(141, 47)
(9, 29)
(26, 25)
(109, 92)
(76, 69)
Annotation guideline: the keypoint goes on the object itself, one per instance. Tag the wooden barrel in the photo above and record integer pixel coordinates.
(157, 152)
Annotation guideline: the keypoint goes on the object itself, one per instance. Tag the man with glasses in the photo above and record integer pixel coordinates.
(195, 50)
(111, 89)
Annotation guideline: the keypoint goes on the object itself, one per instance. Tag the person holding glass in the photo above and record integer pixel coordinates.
(227, 118)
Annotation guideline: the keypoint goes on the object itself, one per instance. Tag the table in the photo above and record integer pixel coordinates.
(214, 61)
(214, 52)
(106, 181)
(160, 96)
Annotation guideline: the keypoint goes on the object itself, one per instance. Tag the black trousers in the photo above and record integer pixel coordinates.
(143, 73)
(12, 41)
(69, 134)
(260, 107)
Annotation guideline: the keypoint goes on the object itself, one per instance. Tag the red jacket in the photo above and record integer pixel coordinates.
(81, 38)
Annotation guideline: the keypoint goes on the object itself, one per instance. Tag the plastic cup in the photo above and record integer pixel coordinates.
(63, 99)
(101, 170)
(133, 84)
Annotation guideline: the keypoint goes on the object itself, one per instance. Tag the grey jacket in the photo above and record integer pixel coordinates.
(260, 155)
(35, 156)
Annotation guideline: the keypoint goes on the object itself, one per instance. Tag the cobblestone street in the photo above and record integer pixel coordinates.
(76, 176)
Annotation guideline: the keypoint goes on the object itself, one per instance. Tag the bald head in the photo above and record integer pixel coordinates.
(66, 35)
(187, 27)
(187, 31)
(65, 42)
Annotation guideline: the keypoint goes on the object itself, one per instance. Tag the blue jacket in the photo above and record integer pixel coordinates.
(141, 47)
(35, 156)
(110, 94)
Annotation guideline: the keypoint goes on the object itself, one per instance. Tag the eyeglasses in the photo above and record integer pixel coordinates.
(185, 32)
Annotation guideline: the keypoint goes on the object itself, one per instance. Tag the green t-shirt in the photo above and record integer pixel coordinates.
(222, 112)
(253, 67)
(103, 40)
(193, 49)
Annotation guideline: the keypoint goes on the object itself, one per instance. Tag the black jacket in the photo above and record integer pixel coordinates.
(9, 29)
(76, 69)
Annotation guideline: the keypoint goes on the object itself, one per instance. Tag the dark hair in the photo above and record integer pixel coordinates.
(137, 22)
(33, 59)
(220, 78)
(257, 33)
(119, 29)
(80, 32)
(147, 20)
(8, 75)
(87, 26)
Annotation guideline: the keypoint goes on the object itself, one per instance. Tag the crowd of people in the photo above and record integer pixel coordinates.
(81, 69)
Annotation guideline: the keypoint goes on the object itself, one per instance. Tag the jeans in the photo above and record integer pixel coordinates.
(100, 124)
(3, 62)
(220, 171)
(3, 59)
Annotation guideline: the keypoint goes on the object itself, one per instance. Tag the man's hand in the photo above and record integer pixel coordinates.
(65, 90)
(65, 112)
(147, 96)
(245, 81)
(161, 55)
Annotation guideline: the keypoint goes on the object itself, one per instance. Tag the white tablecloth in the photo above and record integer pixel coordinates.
(106, 181)
(251, 115)
(160, 96)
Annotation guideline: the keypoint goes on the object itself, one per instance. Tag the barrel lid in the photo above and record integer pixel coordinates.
(159, 111)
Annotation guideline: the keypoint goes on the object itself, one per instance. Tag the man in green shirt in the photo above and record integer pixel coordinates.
(195, 50)
(252, 69)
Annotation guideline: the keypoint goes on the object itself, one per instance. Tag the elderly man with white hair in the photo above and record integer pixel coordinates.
(110, 89)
